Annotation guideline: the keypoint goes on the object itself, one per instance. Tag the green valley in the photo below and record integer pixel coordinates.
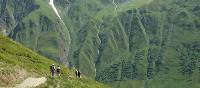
(122, 43)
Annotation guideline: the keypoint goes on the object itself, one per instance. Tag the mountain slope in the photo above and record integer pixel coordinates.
(125, 43)
(18, 63)
(34, 24)
(134, 42)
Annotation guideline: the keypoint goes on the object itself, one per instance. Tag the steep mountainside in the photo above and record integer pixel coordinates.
(126, 43)
(34, 24)
(18, 63)
(135, 43)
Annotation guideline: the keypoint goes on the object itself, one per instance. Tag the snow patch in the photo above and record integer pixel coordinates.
(51, 3)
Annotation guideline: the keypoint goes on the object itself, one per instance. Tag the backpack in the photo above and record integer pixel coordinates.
(58, 70)
(52, 67)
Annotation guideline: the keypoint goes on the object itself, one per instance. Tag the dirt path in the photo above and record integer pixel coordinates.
(58, 85)
(31, 82)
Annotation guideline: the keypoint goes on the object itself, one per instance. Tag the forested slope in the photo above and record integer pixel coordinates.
(126, 43)
(152, 44)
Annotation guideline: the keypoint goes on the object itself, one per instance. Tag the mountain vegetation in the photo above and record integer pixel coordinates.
(18, 63)
(34, 24)
(136, 43)
(124, 43)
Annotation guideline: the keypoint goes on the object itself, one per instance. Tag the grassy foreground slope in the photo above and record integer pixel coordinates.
(17, 63)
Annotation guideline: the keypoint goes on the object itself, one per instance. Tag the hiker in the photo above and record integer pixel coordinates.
(58, 70)
(76, 73)
(79, 74)
(52, 68)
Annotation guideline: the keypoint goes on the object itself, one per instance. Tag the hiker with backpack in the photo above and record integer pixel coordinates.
(78, 73)
(52, 69)
(58, 70)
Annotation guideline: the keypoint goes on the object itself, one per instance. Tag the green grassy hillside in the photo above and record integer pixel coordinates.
(34, 24)
(18, 63)
(124, 43)
(135, 43)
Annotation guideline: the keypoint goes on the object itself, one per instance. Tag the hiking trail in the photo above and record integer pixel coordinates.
(31, 82)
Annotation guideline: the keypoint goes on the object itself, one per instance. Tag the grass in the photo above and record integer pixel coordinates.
(71, 82)
(46, 33)
(151, 30)
(162, 30)
(109, 10)
(43, 10)
(8, 76)
(18, 63)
